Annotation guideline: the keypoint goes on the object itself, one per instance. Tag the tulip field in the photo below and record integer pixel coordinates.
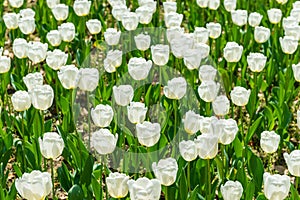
(149, 100)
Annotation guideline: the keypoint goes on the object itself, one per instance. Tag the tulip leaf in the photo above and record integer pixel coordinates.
(253, 128)
(96, 186)
(294, 193)
(256, 168)
(249, 192)
(193, 194)
(261, 197)
(183, 189)
(220, 168)
(86, 175)
(64, 177)
(75, 193)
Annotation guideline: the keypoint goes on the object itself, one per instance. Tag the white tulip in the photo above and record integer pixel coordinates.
(33, 79)
(207, 73)
(288, 44)
(202, 3)
(276, 187)
(221, 105)
(27, 12)
(148, 133)
(230, 5)
(16, 3)
(54, 38)
(169, 7)
(68, 76)
(52, 3)
(37, 51)
(88, 79)
(207, 146)
(269, 141)
(256, 61)
(143, 188)
(191, 122)
(118, 11)
(123, 94)
(254, 19)
(289, 21)
(174, 33)
(175, 88)
(206, 125)
(239, 17)
(60, 12)
(112, 36)
(102, 115)
(282, 1)
(5, 63)
(274, 15)
(293, 162)
(137, 112)
(240, 96)
(232, 190)
(192, 58)
(213, 4)
(20, 48)
(160, 54)
(11, 20)
(188, 150)
(94, 26)
(21, 101)
(67, 31)
(201, 35)
(203, 48)
(113, 60)
(173, 19)
(130, 21)
(144, 14)
(293, 31)
(82, 7)
(104, 141)
(56, 59)
(214, 29)
(233, 52)
(142, 42)
(208, 90)
(117, 185)
(226, 129)
(139, 68)
(165, 171)
(52, 145)
(26, 25)
(42, 97)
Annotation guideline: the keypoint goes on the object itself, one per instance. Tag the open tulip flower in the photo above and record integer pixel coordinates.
(176, 88)
(232, 190)
(293, 162)
(117, 185)
(143, 188)
(276, 186)
(165, 171)
(51, 145)
(269, 141)
(102, 115)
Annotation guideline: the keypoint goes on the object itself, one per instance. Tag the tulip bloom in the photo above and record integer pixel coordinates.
(88, 79)
(5, 63)
(232, 190)
(169, 7)
(60, 12)
(191, 122)
(27, 12)
(144, 14)
(33, 79)
(26, 25)
(112, 36)
(35, 185)
(208, 90)
(179, 46)
(113, 60)
(230, 5)
(289, 21)
(130, 21)
(256, 61)
(293, 162)
(67, 31)
(254, 19)
(118, 11)
(137, 112)
(202, 3)
(233, 52)
(192, 58)
(160, 54)
(68, 76)
(269, 141)
(226, 130)
(104, 141)
(165, 171)
(261, 34)
(52, 3)
(142, 42)
(288, 44)
(94, 26)
(56, 59)
(213, 4)
(54, 38)
(21, 101)
(188, 150)
(20, 48)
(239, 17)
(82, 7)
(207, 146)
(206, 125)
(176, 88)
(174, 33)
(276, 186)
(117, 185)
(143, 188)
(102, 115)
(16, 3)
(52, 145)
(282, 1)
(221, 105)
(37, 51)
(293, 31)
(240, 96)
(207, 73)
(42, 97)
(139, 68)
(11, 20)
(274, 15)
(148, 133)
(123, 94)
(173, 19)
(201, 35)
(214, 29)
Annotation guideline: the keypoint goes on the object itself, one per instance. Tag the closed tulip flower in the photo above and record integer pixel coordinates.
(117, 185)
(56, 59)
(191, 122)
(202, 3)
(42, 97)
(221, 105)
(123, 94)
(289, 21)
(293, 162)
(144, 14)
(230, 5)
(67, 31)
(160, 54)
(208, 90)
(143, 188)
(37, 51)
(296, 4)
(274, 15)
(214, 29)
(82, 7)
(295, 12)
(282, 1)
(112, 36)
(113, 60)
(176, 88)
(148, 133)
(261, 34)
(54, 38)
(94, 26)
(104, 141)
(173, 19)
(33, 79)
(118, 11)
(296, 71)
(136, 112)
(68, 76)
(293, 31)
(16, 3)
(35, 185)
(26, 25)
(226, 129)
(239, 17)
(20, 48)
(192, 59)
(269, 141)
(142, 42)
(165, 171)
(11, 20)
(276, 187)
(256, 61)
(240, 96)
(288, 44)
(232, 190)
(21, 101)
(52, 3)
(254, 19)
(60, 12)
(5, 63)
(130, 21)
(88, 79)
(233, 52)
(188, 150)
(115, 3)
(150, 4)
(170, 7)
(207, 73)
(102, 115)
(52, 145)
(207, 146)
(213, 4)
(174, 33)
(201, 35)
(179, 46)
(139, 68)
(203, 48)
(206, 125)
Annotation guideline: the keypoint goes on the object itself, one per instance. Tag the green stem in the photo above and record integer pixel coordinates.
(208, 180)
(105, 175)
(101, 171)
(207, 109)
(166, 193)
(189, 176)
(296, 182)
(52, 176)
(89, 119)
(270, 163)
(56, 96)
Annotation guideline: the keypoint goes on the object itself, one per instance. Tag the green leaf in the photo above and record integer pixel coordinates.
(249, 192)
(64, 177)
(183, 189)
(75, 193)
(253, 129)
(86, 175)
(256, 168)
(193, 194)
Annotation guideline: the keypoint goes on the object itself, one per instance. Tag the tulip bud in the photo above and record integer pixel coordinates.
(33, 79)
(175, 88)
(139, 68)
(295, 12)
(60, 12)
(269, 141)
(26, 25)
(274, 15)
(239, 17)
(102, 115)
(88, 79)
(148, 133)
(150, 4)
(174, 33)
(221, 105)
(16, 3)
(207, 73)
(192, 58)
(42, 97)
(130, 21)
(213, 4)
(201, 35)
(67, 31)
(232, 190)
(288, 44)
(188, 150)
(68, 76)
(5, 63)
(56, 59)
(117, 185)
(142, 42)
(52, 3)
(11, 20)
(169, 7)
(282, 1)
(160, 54)
(288, 22)
(82, 7)
(112, 61)
(21, 101)
(104, 141)
(179, 46)
(143, 188)
(112, 36)
(276, 186)
(203, 48)
(137, 112)
(52, 145)
(208, 90)
(226, 129)
(233, 52)
(230, 5)
(94, 26)
(192, 122)
(240, 96)
(54, 38)
(165, 171)
(28, 12)
(214, 29)
(20, 48)
(37, 51)
(256, 61)
(207, 146)
(292, 161)
(254, 19)
(118, 11)
(35, 185)
(144, 14)
(202, 3)
(173, 19)
(123, 94)
(206, 125)
(293, 31)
